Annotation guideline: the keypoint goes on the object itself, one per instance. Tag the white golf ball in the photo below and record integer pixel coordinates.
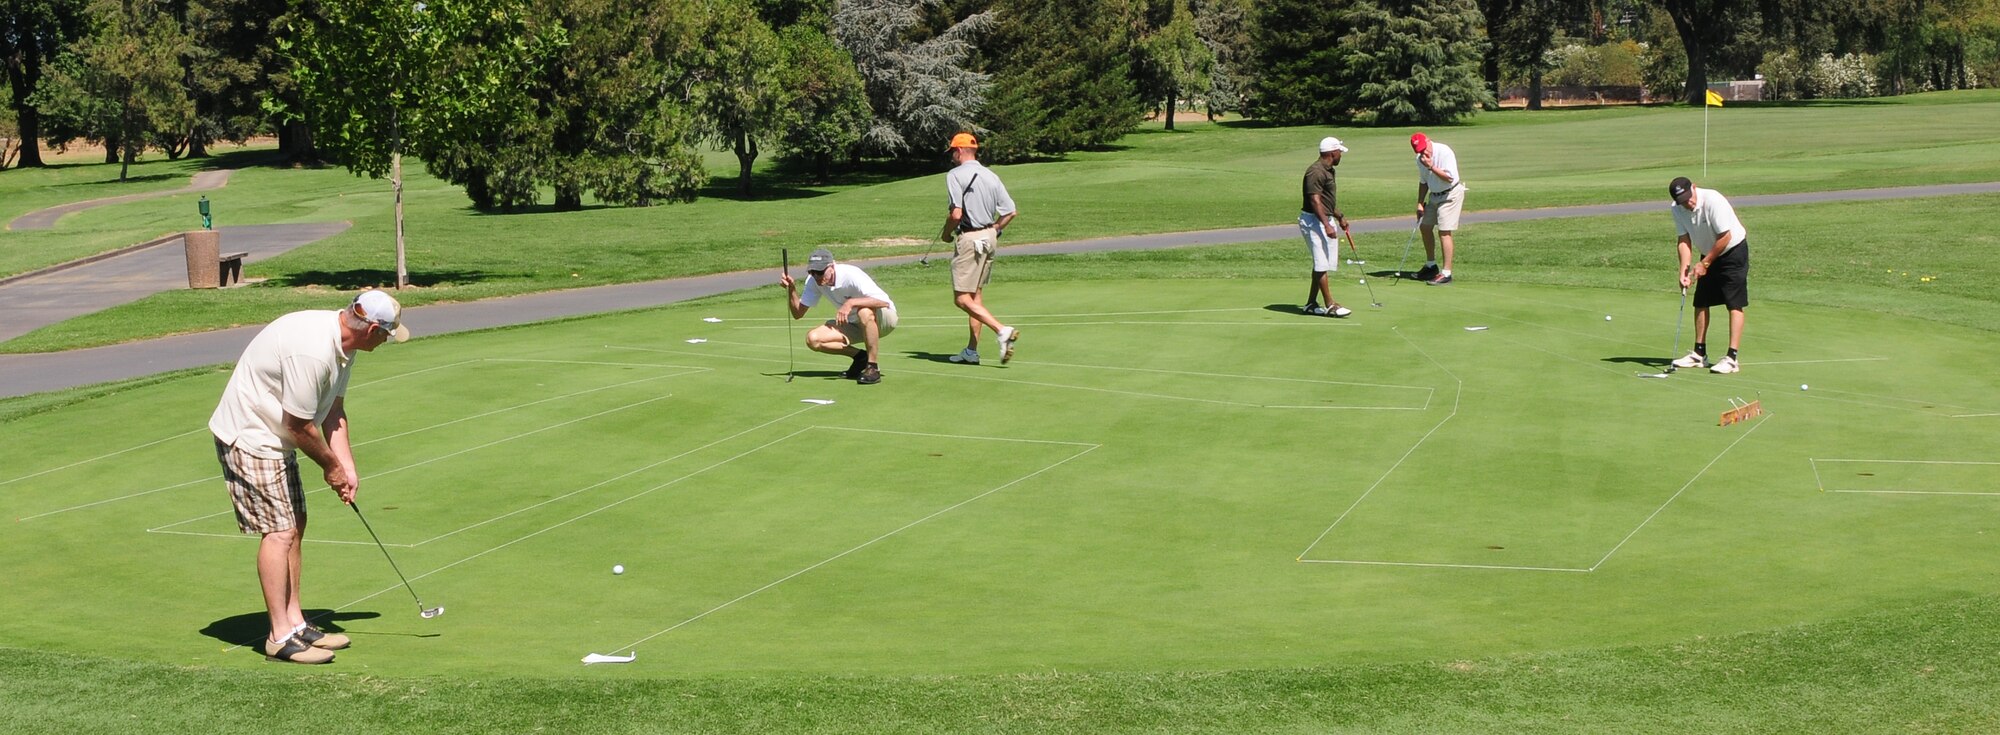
(1364, 281)
(1802, 386)
(617, 569)
(1607, 317)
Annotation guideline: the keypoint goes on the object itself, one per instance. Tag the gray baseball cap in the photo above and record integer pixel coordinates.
(820, 260)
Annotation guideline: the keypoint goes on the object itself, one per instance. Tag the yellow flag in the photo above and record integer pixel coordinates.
(1714, 100)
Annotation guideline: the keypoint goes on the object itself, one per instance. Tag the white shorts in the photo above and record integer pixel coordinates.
(1325, 251)
(1442, 211)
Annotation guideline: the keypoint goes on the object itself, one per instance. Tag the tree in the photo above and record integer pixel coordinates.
(920, 91)
(1063, 79)
(1302, 74)
(32, 34)
(830, 110)
(1173, 60)
(233, 65)
(1519, 33)
(1224, 27)
(744, 101)
(1703, 27)
(381, 77)
(1417, 60)
(122, 83)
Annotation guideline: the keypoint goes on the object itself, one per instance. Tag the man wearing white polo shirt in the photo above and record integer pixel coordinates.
(1719, 247)
(1321, 223)
(288, 394)
(1440, 196)
(862, 312)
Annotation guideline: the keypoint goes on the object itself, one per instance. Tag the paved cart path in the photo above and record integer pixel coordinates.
(42, 219)
(23, 374)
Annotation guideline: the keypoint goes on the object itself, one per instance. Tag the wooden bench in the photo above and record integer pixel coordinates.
(231, 268)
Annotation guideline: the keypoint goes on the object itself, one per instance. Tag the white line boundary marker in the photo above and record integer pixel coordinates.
(690, 370)
(631, 648)
(1503, 567)
(1815, 462)
(1429, 392)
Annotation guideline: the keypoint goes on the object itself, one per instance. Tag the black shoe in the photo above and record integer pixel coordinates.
(1439, 281)
(870, 375)
(854, 369)
(1427, 273)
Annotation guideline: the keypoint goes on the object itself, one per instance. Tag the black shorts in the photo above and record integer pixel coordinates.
(1727, 282)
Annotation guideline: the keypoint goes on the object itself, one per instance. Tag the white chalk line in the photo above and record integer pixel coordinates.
(82, 462)
(961, 317)
(1023, 323)
(1973, 415)
(209, 478)
(959, 436)
(1441, 565)
(1457, 395)
(1761, 337)
(968, 376)
(573, 519)
(1677, 493)
(836, 557)
(1815, 461)
(1814, 362)
(443, 457)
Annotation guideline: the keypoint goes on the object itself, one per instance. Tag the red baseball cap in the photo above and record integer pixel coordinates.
(1419, 142)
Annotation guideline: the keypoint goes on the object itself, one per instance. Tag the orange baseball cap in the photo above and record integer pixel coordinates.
(963, 140)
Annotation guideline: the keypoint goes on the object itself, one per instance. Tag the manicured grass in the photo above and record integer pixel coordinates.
(1206, 176)
(1926, 669)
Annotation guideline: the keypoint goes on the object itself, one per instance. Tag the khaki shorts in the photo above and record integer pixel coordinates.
(267, 492)
(885, 322)
(1442, 211)
(972, 260)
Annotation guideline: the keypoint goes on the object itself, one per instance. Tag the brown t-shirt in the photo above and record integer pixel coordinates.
(1319, 180)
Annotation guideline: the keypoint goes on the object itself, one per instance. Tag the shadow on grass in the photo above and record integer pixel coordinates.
(940, 357)
(536, 208)
(250, 629)
(1651, 362)
(349, 280)
(245, 158)
(1288, 309)
(113, 179)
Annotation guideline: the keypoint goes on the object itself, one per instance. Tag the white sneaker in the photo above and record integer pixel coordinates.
(967, 356)
(1692, 360)
(1339, 311)
(1313, 309)
(1007, 337)
(1725, 366)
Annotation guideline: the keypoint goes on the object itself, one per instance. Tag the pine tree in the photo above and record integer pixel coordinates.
(920, 91)
(1418, 61)
(1064, 81)
(1301, 66)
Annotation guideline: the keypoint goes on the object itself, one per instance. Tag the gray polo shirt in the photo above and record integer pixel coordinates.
(977, 190)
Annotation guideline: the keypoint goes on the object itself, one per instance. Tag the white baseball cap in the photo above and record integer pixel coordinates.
(377, 307)
(1330, 144)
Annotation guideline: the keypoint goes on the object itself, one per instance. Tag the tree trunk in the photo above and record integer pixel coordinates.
(111, 147)
(196, 146)
(569, 197)
(1535, 89)
(1173, 105)
(1697, 69)
(23, 81)
(1490, 68)
(746, 154)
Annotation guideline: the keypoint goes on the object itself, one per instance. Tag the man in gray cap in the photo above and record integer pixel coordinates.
(288, 394)
(862, 313)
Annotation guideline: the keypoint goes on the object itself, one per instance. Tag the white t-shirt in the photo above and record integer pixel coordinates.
(1711, 217)
(295, 366)
(1446, 160)
(986, 201)
(848, 282)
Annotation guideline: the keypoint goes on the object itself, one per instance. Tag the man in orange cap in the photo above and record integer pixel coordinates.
(1440, 196)
(980, 209)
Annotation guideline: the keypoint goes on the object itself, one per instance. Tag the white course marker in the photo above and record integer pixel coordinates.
(711, 320)
(696, 341)
(599, 658)
(1475, 329)
(817, 401)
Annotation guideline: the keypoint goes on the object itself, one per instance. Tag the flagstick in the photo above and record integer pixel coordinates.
(1704, 135)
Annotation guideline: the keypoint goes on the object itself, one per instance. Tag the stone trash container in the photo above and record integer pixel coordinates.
(204, 255)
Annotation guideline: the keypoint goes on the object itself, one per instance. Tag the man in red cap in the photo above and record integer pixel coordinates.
(980, 209)
(1440, 197)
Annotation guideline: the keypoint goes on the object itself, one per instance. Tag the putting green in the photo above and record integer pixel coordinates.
(1173, 476)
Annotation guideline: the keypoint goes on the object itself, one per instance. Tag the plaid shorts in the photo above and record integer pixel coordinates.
(267, 492)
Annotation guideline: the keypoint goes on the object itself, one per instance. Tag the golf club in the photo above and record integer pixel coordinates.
(1364, 281)
(1407, 242)
(1356, 260)
(791, 351)
(1678, 318)
(427, 612)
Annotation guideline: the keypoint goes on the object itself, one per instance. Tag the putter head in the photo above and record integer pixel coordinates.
(431, 612)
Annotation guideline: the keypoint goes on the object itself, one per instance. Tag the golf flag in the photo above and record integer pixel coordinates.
(1714, 100)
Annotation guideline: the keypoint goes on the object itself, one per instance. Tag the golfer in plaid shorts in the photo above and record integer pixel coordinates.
(287, 394)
